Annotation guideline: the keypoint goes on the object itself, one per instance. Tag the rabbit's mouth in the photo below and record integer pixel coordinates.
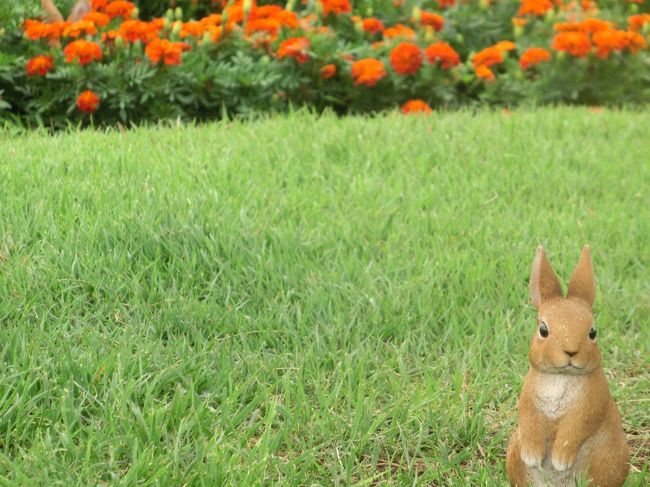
(572, 369)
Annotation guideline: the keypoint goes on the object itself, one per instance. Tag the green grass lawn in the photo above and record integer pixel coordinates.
(306, 301)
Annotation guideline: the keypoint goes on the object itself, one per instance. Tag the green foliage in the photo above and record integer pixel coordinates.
(240, 72)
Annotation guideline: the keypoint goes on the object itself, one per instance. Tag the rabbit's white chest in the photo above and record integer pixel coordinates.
(556, 393)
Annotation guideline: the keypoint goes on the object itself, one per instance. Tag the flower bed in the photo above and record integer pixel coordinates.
(112, 67)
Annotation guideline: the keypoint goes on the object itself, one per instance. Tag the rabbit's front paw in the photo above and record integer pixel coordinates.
(532, 453)
(563, 457)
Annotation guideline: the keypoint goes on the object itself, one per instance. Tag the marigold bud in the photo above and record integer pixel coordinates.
(178, 13)
(247, 7)
(416, 14)
(169, 14)
(319, 8)
(291, 4)
(207, 38)
(135, 13)
(369, 12)
(518, 31)
(483, 4)
(459, 38)
(176, 29)
(119, 42)
(429, 34)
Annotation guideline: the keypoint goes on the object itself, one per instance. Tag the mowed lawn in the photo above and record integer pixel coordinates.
(303, 300)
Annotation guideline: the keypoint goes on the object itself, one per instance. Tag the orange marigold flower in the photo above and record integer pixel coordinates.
(610, 40)
(399, 30)
(271, 27)
(434, 20)
(372, 25)
(119, 8)
(268, 11)
(588, 26)
(169, 52)
(35, 29)
(535, 7)
(99, 5)
(328, 71)
(192, 29)
(635, 42)
(295, 47)
(337, 7)
(415, 106)
(138, 30)
(268, 20)
(488, 57)
(567, 26)
(88, 101)
(594, 25)
(274, 14)
(443, 52)
(212, 19)
(575, 43)
(534, 56)
(39, 65)
(588, 5)
(82, 27)
(97, 18)
(406, 58)
(636, 22)
(485, 73)
(83, 51)
(446, 3)
(368, 71)
(607, 41)
(505, 46)
(234, 13)
(519, 21)
(158, 24)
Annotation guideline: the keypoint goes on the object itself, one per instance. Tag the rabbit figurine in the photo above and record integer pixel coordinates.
(569, 426)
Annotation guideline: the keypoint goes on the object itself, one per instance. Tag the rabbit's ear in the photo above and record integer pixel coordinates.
(583, 282)
(81, 8)
(543, 281)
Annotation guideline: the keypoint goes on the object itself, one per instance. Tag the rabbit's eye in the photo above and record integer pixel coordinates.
(543, 329)
(592, 333)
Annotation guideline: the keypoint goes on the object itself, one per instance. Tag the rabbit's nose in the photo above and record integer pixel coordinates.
(570, 354)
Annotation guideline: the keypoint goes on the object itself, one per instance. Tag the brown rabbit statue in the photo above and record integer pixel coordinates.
(569, 426)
